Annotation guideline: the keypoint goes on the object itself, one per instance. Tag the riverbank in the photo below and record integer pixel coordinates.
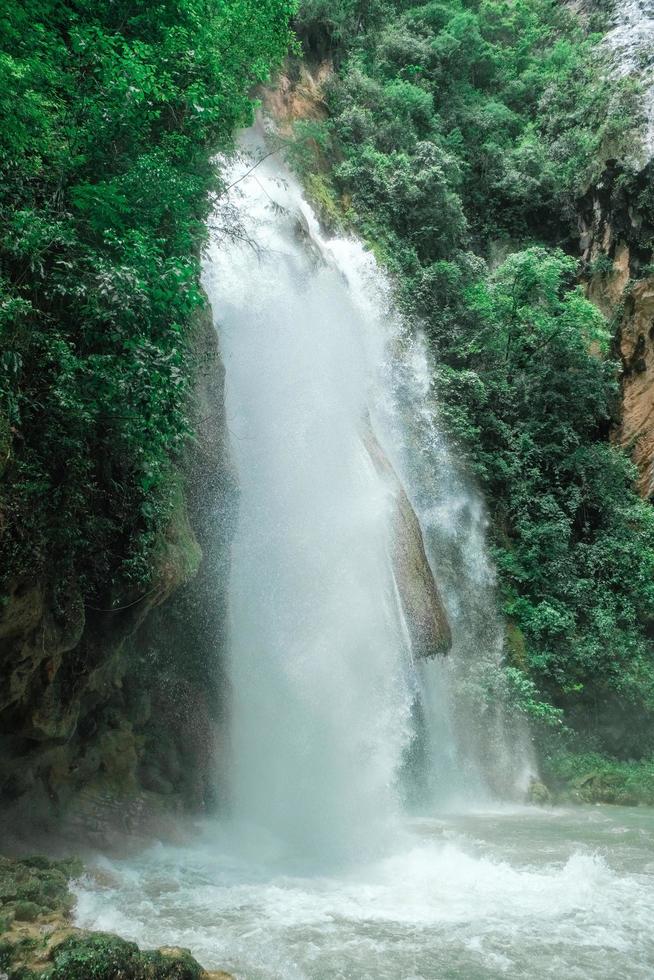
(588, 777)
(38, 938)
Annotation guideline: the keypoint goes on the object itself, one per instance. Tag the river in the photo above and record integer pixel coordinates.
(510, 892)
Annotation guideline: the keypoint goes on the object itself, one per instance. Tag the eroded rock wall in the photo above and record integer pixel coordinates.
(617, 235)
(420, 598)
(108, 717)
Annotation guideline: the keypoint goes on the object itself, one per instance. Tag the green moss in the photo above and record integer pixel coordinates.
(81, 956)
(13, 954)
(6, 918)
(6, 953)
(27, 911)
(324, 199)
(516, 646)
(539, 793)
(182, 548)
(105, 957)
(593, 778)
(37, 881)
(22, 973)
(35, 885)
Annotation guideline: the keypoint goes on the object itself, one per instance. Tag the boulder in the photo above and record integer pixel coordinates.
(38, 941)
(419, 595)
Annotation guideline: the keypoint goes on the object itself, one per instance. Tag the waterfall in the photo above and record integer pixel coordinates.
(333, 708)
(365, 837)
(631, 44)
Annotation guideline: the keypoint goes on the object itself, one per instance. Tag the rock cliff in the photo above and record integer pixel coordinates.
(617, 243)
(108, 715)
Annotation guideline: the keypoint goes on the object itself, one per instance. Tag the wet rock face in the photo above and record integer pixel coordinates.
(66, 717)
(105, 706)
(419, 595)
(636, 429)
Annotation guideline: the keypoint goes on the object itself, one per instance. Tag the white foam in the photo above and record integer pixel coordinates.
(433, 908)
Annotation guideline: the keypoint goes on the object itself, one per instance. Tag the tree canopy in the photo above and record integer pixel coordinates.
(111, 112)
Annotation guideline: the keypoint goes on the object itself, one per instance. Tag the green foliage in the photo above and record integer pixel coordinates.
(102, 956)
(524, 697)
(111, 111)
(528, 397)
(462, 134)
(593, 778)
(509, 99)
(325, 25)
(573, 544)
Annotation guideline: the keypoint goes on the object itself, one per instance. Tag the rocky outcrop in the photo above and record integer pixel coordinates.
(636, 429)
(38, 941)
(108, 710)
(617, 236)
(421, 602)
(297, 95)
(66, 716)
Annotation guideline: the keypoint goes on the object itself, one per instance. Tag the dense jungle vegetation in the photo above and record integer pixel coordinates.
(461, 135)
(110, 112)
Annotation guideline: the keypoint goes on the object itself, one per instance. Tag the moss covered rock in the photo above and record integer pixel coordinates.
(36, 883)
(593, 778)
(102, 956)
(37, 941)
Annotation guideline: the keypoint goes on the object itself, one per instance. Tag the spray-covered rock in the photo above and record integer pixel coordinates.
(421, 601)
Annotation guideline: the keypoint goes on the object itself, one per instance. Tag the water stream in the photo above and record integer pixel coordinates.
(631, 42)
(362, 835)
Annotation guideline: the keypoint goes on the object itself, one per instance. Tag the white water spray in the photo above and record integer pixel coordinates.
(631, 41)
(328, 700)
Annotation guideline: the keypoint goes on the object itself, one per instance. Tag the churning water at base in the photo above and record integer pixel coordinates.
(522, 894)
(338, 856)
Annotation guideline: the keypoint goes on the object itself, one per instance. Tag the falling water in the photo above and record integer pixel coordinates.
(631, 41)
(329, 699)
(362, 840)
(319, 665)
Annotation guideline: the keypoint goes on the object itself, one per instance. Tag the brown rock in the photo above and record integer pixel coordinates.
(291, 99)
(419, 595)
(606, 291)
(636, 430)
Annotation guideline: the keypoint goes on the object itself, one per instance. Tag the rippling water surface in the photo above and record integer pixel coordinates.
(516, 892)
